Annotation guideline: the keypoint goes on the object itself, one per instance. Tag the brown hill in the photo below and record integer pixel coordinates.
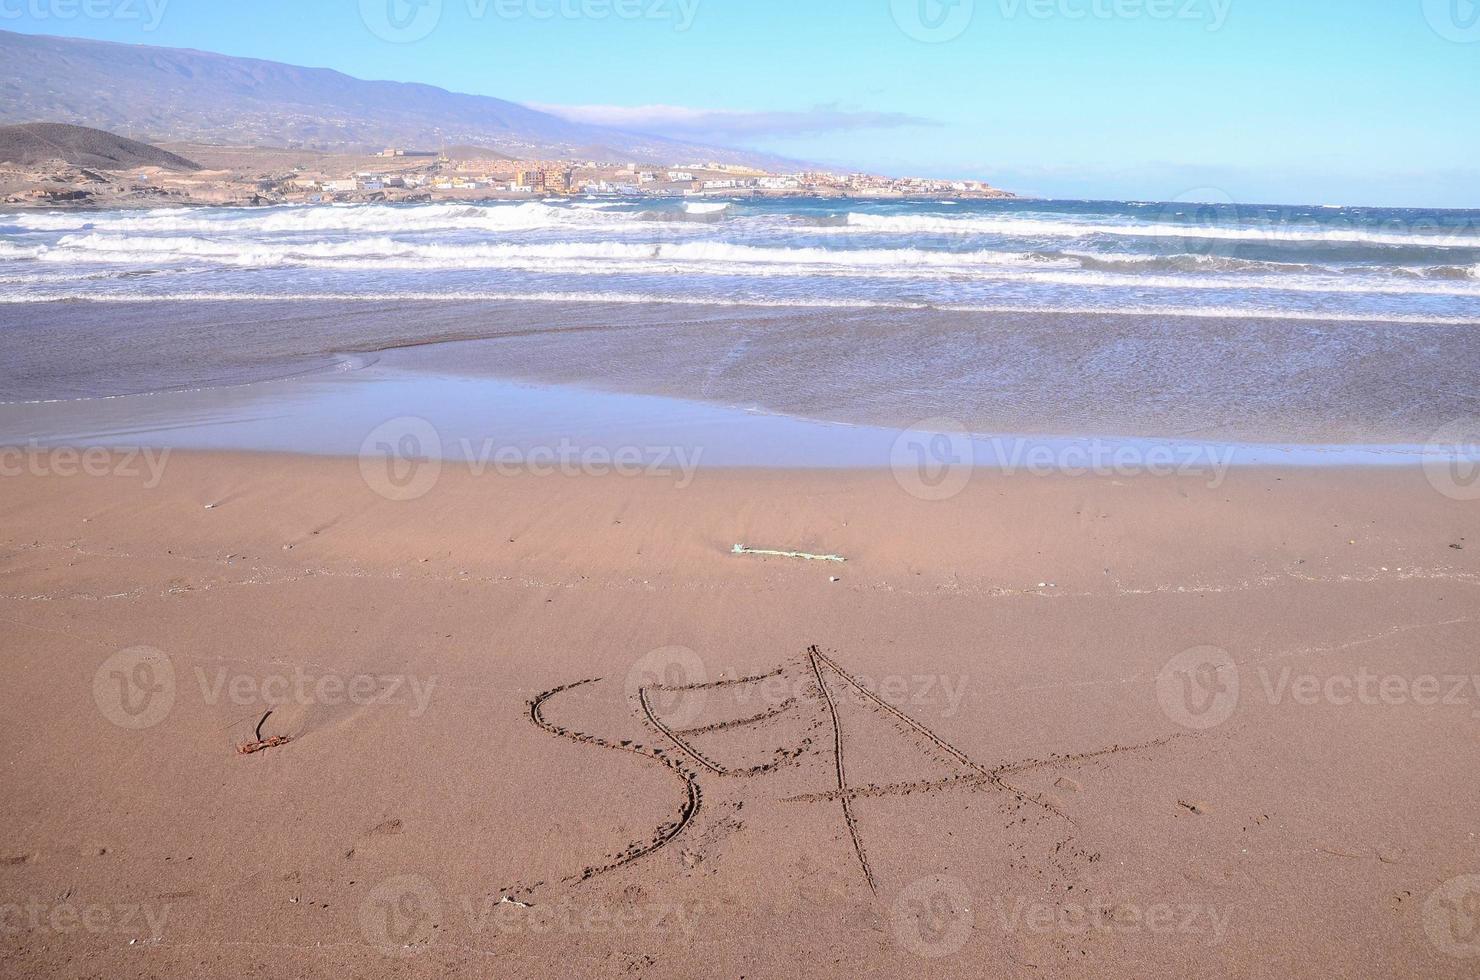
(465, 152)
(177, 95)
(32, 144)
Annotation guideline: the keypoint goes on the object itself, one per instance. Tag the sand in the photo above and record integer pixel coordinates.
(551, 726)
(1201, 378)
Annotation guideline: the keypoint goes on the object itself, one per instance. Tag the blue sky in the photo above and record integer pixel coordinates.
(1298, 101)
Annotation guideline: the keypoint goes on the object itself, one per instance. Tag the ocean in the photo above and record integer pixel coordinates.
(1250, 325)
(998, 255)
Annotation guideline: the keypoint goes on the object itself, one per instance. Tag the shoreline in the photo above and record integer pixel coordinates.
(353, 409)
(1213, 380)
(1205, 313)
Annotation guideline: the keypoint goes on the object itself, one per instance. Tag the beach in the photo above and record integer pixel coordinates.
(1033, 791)
(662, 490)
(602, 589)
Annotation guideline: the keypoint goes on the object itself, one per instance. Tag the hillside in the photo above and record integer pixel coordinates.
(33, 144)
(178, 95)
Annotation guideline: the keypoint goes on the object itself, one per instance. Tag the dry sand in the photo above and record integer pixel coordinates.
(1028, 788)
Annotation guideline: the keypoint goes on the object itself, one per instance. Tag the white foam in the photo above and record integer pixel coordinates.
(10, 250)
(386, 252)
(361, 218)
(1266, 232)
(526, 216)
(1038, 255)
(1202, 312)
(712, 258)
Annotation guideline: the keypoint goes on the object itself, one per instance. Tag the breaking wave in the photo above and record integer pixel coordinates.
(1252, 231)
(968, 255)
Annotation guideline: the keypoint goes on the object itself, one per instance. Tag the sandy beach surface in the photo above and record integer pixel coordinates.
(553, 726)
(1236, 378)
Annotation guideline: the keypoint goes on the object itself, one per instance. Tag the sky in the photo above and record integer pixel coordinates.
(1271, 101)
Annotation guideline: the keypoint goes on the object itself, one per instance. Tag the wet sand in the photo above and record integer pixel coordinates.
(567, 692)
(370, 407)
(1227, 379)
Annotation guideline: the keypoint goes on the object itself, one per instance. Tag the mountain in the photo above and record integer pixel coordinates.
(32, 144)
(174, 94)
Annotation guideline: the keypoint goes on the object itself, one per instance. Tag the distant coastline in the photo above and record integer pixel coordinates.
(257, 176)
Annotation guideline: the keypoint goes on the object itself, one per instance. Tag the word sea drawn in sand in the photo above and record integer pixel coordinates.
(820, 680)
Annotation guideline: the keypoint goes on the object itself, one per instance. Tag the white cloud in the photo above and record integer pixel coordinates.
(683, 122)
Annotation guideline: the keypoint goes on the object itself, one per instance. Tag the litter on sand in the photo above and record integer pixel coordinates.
(741, 549)
(261, 743)
(264, 743)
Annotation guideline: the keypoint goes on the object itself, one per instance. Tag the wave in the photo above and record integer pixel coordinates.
(682, 216)
(690, 251)
(10, 250)
(1232, 264)
(1254, 232)
(387, 252)
(1185, 262)
(1194, 263)
(1116, 309)
(1449, 273)
(618, 217)
(714, 258)
(72, 277)
(346, 218)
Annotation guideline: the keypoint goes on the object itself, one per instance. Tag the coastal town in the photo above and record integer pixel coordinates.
(445, 174)
(260, 176)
